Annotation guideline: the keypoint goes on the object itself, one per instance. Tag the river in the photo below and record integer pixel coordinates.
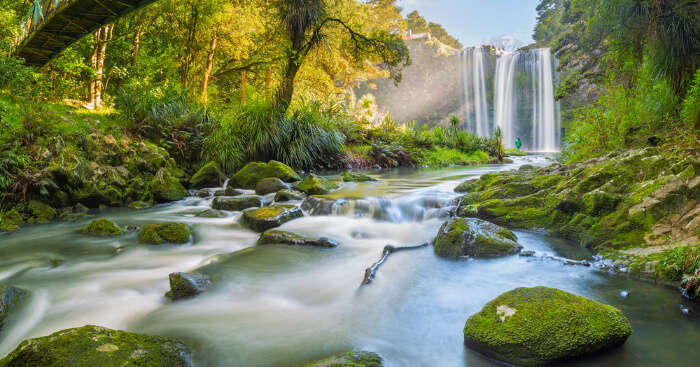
(282, 306)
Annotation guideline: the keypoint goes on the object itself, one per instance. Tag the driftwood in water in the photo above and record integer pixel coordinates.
(388, 250)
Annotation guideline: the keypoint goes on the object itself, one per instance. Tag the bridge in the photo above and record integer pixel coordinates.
(51, 26)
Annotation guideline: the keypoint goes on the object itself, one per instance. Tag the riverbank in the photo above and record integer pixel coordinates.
(639, 209)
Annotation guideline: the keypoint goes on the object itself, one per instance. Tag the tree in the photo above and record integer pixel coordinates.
(416, 23)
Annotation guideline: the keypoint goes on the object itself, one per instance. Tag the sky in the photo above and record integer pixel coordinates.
(476, 22)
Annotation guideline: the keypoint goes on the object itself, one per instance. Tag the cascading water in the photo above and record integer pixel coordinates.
(523, 96)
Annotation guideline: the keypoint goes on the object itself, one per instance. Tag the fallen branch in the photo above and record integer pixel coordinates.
(388, 250)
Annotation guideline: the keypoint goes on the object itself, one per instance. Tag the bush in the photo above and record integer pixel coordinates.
(15, 78)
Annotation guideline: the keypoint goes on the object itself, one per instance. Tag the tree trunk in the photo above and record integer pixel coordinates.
(243, 87)
(106, 35)
(207, 70)
(93, 65)
(286, 90)
(268, 78)
(137, 45)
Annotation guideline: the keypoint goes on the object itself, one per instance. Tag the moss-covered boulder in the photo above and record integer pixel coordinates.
(140, 205)
(40, 212)
(274, 237)
(357, 177)
(229, 190)
(237, 203)
(262, 219)
(253, 172)
(270, 185)
(187, 285)
(211, 213)
(539, 326)
(10, 299)
(315, 185)
(11, 221)
(101, 227)
(90, 346)
(210, 175)
(473, 237)
(350, 359)
(288, 195)
(166, 188)
(156, 234)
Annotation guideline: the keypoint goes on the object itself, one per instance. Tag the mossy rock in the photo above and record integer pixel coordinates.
(237, 203)
(270, 185)
(11, 221)
(473, 237)
(289, 195)
(40, 212)
(187, 285)
(90, 346)
(101, 227)
(274, 237)
(229, 190)
(468, 186)
(211, 213)
(156, 234)
(539, 326)
(262, 219)
(248, 176)
(140, 205)
(357, 177)
(210, 175)
(315, 185)
(10, 299)
(166, 188)
(350, 359)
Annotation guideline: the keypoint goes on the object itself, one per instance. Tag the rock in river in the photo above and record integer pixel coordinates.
(90, 346)
(357, 177)
(186, 285)
(273, 237)
(237, 203)
(101, 227)
(209, 175)
(10, 298)
(289, 195)
(315, 185)
(460, 237)
(539, 326)
(351, 359)
(254, 172)
(270, 185)
(270, 217)
(156, 234)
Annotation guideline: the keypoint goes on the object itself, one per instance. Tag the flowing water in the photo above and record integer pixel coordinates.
(280, 306)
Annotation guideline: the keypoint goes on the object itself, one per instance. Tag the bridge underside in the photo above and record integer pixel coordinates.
(69, 23)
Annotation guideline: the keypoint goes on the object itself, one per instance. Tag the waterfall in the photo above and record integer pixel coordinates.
(474, 61)
(506, 99)
(523, 96)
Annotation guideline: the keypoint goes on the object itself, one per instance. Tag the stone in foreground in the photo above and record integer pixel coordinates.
(351, 359)
(238, 203)
(270, 185)
(274, 237)
(186, 285)
(101, 227)
(209, 175)
(10, 298)
(254, 172)
(472, 237)
(156, 234)
(90, 346)
(262, 219)
(315, 185)
(539, 326)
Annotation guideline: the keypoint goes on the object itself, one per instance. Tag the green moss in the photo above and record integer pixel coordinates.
(357, 177)
(157, 234)
(40, 212)
(237, 203)
(351, 359)
(90, 346)
(288, 195)
(262, 219)
(315, 185)
(102, 228)
(210, 175)
(186, 285)
(474, 237)
(273, 237)
(538, 326)
(166, 188)
(253, 172)
(11, 221)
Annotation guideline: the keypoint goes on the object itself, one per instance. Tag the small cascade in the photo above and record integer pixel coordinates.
(474, 65)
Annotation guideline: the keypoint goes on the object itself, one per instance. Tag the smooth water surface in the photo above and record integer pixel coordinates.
(281, 306)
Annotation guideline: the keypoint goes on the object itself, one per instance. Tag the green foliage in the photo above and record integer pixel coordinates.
(15, 78)
(690, 113)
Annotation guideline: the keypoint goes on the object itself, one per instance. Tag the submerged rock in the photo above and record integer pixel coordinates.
(165, 187)
(357, 177)
(210, 175)
(159, 233)
(289, 195)
(539, 326)
(527, 253)
(211, 213)
(270, 217)
(101, 227)
(237, 203)
(318, 206)
(254, 172)
(140, 205)
(460, 237)
(10, 298)
(90, 346)
(202, 193)
(315, 185)
(351, 359)
(186, 285)
(270, 185)
(273, 237)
